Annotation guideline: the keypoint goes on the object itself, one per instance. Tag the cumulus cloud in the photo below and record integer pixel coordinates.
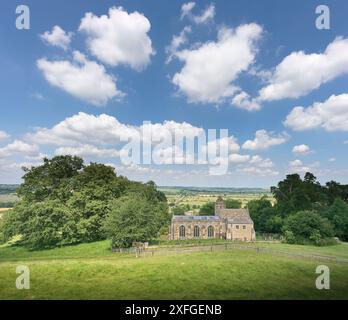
(104, 129)
(238, 158)
(332, 115)
(57, 37)
(299, 167)
(259, 166)
(242, 100)
(264, 140)
(176, 43)
(301, 149)
(3, 135)
(119, 37)
(87, 150)
(210, 69)
(300, 73)
(82, 78)
(207, 14)
(19, 147)
(261, 162)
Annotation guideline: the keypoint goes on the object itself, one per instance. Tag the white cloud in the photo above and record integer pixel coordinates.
(186, 9)
(177, 42)
(264, 140)
(3, 135)
(103, 129)
(333, 159)
(57, 37)
(226, 143)
(332, 115)
(83, 128)
(259, 166)
(238, 158)
(119, 38)
(300, 73)
(84, 79)
(259, 171)
(295, 163)
(207, 14)
(19, 147)
(210, 69)
(87, 150)
(242, 100)
(301, 149)
(261, 162)
(299, 167)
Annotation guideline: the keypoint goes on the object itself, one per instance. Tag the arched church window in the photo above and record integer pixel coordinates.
(182, 232)
(196, 232)
(210, 232)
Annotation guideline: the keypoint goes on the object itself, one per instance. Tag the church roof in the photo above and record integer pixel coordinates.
(236, 215)
(196, 218)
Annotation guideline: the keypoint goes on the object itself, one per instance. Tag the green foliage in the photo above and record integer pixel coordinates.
(207, 209)
(7, 204)
(65, 202)
(233, 203)
(336, 190)
(179, 210)
(134, 219)
(307, 225)
(264, 215)
(337, 214)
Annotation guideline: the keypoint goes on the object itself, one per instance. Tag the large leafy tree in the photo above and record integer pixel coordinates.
(134, 218)
(294, 194)
(64, 201)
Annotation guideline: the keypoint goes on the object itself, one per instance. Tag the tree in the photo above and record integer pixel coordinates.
(337, 214)
(40, 224)
(179, 210)
(207, 209)
(294, 194)
(233, 203)
(260, 211)
(50, 179)
(133, 219)
(64, 202)
(307, 225)
(335, 190)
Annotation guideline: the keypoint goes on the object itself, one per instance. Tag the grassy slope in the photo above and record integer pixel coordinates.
(90, 271)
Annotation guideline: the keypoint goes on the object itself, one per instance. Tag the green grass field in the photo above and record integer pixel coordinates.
(91, 271)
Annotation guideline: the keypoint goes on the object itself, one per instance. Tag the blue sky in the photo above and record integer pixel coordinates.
(241, 65)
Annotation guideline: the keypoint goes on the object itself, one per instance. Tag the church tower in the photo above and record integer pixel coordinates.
(219, 205)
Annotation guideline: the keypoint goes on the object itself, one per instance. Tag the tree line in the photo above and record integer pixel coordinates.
(305, 211)
(65, 201)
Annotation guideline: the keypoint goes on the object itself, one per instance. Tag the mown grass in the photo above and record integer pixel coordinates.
(91, 271)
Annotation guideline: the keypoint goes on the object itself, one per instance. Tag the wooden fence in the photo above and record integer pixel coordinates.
(170, 250)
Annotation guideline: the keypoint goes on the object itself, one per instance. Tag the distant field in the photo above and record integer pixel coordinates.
(198, 199)
(91, 271)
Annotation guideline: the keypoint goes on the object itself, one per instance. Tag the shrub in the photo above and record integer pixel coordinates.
(306, 226)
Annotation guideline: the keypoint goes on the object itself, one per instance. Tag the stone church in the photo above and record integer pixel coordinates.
(229, 224)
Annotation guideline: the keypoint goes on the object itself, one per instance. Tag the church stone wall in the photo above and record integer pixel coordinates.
(189, 229)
